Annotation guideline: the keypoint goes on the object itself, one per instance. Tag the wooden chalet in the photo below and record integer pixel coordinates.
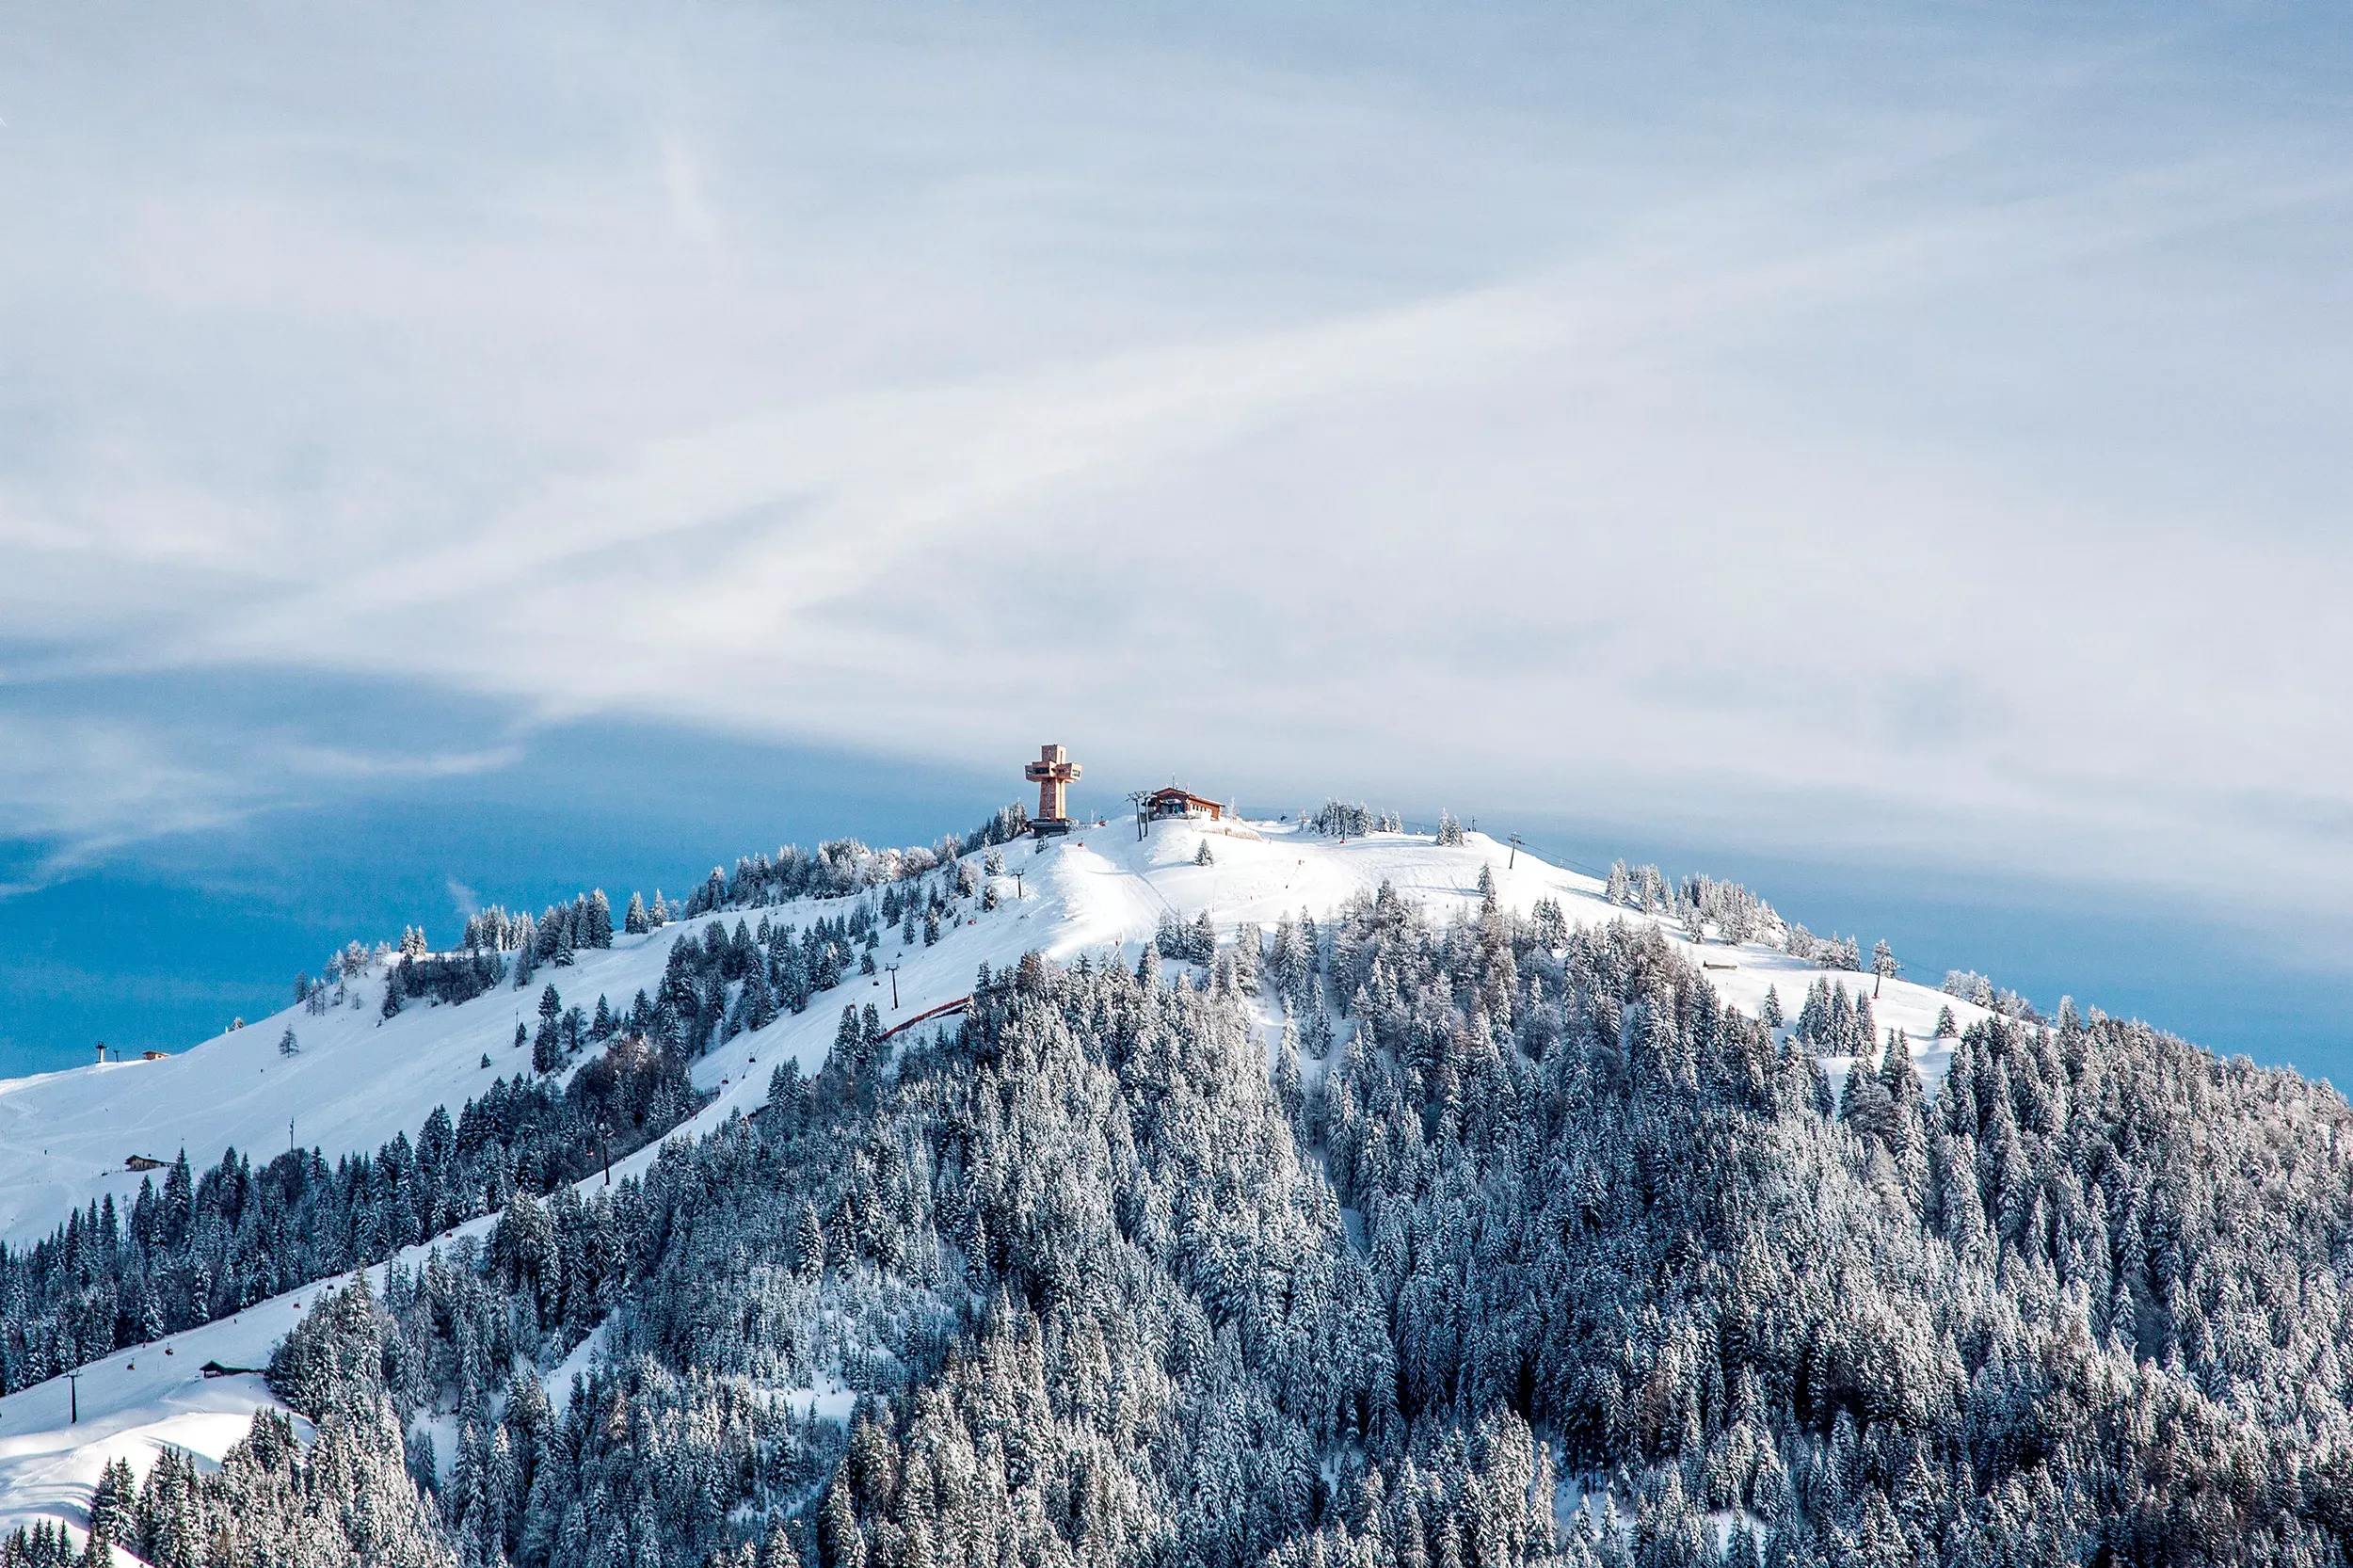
(1162, 804)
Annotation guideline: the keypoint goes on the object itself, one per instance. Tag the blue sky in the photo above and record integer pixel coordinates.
(1895, 451)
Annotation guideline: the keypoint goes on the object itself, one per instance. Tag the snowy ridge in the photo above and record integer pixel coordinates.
(357, 1082)
(64, 1136)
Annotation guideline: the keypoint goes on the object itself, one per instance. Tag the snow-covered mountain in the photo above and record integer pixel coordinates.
(359, 1079)
(1280, 1197)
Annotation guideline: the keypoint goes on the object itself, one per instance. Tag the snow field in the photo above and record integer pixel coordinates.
(357, 1082)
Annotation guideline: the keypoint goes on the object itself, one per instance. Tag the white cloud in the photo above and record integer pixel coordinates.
(88, 787)
(1895, 440)
(80, 786)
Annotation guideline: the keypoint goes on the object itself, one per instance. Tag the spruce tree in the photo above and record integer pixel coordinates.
(808, 1241)
(1203, 948)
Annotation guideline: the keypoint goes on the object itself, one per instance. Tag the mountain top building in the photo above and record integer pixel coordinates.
(1053, 772)
(1174, 801)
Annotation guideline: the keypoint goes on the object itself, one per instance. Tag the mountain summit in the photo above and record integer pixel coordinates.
(1199, 1191)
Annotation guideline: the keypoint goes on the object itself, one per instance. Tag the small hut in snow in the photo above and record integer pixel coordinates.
(1173, 800)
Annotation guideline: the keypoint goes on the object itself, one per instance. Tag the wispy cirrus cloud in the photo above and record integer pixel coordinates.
(1894, 436)
(77, 788)
(85, 788)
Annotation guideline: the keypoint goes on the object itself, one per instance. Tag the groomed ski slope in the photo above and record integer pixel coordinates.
(63, 1136)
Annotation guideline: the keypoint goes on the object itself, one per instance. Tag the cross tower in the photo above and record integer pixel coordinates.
(1052, 773)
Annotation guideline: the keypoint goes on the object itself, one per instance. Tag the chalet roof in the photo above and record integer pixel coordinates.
(1175, 792)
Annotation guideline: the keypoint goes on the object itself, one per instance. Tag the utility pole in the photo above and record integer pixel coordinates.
(604, 1147)
(289, 1135)
(73, 1393)
(1514, 858)
(893, 971)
